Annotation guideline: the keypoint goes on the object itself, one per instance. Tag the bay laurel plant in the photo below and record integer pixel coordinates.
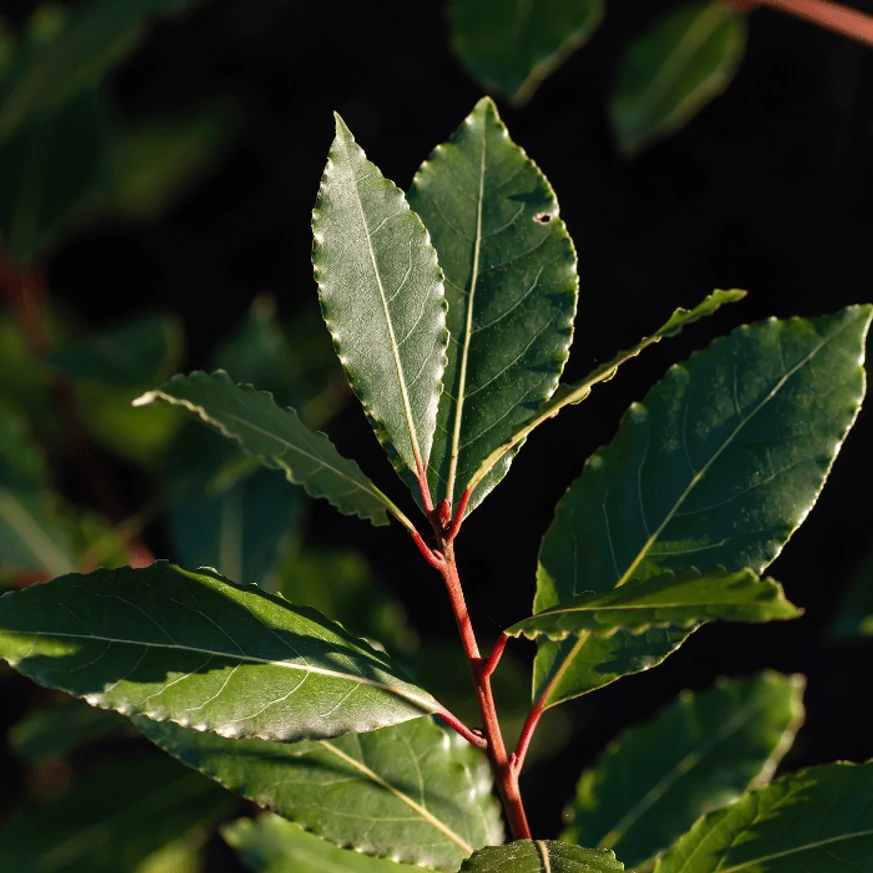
(451, 309)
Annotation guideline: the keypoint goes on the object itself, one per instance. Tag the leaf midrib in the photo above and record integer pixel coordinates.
(468, 329)
(395, 349)
(422, 811)
(242, 657)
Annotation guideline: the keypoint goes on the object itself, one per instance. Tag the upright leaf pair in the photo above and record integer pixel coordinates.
(440, 400)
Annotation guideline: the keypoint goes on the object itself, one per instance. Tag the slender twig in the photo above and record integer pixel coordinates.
(471, 736)
(527, 732)
(494, 658)
(832, 16)
(458, 520)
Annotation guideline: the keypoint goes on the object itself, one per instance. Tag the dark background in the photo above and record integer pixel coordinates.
(768, 189)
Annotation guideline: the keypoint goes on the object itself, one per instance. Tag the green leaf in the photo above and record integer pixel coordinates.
(697, 755)
(31, 539)
(511, 46)
(49, 170)
(354, 597)
(52, 732)
(155, 161)
(382, 298)
(568, 395)
(541, 856)
(270, 844)
(819, 821)
(682, 63)
(668, 600)
(141, 351)
(224, 515)
(201, 651)
(102, 826)
(855, 615)
(278, 438)
(413, 792)
(718, 466)
(511, 284)
(22, 463)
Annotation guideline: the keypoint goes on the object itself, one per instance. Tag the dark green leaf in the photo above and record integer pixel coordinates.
(668, 600)
(568, 395)
(49, 169)
(382, 298)
(817, 821)
(412, 792)
(101, 825)
(855, 616)
(510, 46)
(139, 352)
(511, 284)
(52, 732)
(155, 161)
(717, 467)
(270, 844)
(31, 538)
(22, 464)
(201, 651)
(697, 755)
(541, 856)
(686, 60)
(278, 438)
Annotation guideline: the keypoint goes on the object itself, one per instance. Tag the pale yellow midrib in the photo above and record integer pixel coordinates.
(401, 376)
(426, 814)
(468, 330)
(238, 656)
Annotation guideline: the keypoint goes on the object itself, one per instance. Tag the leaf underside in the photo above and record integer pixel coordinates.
(277, 437)
(413, 792)
(382, 298)
(698, 754)
(668, 600)
(541, 856)
(511, 284)
(819, 821)
(716, 468)
(510, 46)
(201, 651)
(686, 60)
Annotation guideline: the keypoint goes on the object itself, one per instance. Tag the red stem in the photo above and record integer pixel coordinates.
(457, 725)
(494, 658)
(505, 774)
(527, 732)
(847, 22)
(458, 520)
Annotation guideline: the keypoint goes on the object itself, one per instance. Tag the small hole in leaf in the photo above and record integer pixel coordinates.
(543, 217)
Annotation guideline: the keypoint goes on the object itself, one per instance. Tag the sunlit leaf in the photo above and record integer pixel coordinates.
(541, 856)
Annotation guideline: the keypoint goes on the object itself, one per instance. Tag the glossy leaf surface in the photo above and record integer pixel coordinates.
(412, 792)
(682, 63)
(717, 467)
(541, 856)
(139, 352)
(697, 755)
(270, 844)
(201, 651)
(511, 283)
(382, 297)
(571, 394)
(668, 600)
(276, 436)
(819, 820)
(101, 826)
(510, 46)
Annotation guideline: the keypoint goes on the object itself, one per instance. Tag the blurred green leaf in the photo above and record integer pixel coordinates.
(682, 63)
(180, 856)
(31, 539)
(101, 825)
(52, 732)
(698, 754)
(22, 463)
(50, 169)
(270, 844)
(855, 615)
(154, 162)
(510, 46)
(142, 350)
(340, 584)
